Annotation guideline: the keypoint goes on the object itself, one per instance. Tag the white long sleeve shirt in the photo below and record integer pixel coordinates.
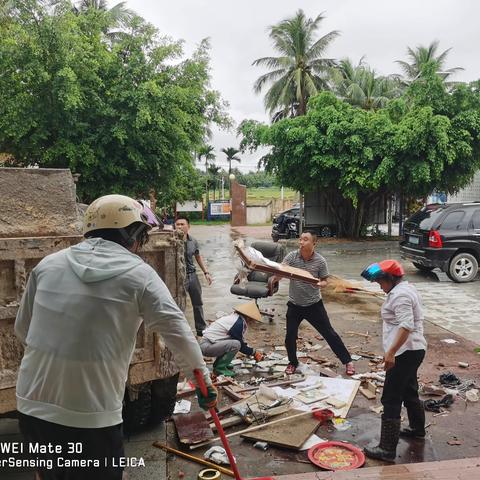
(78, 319)
(403, 309)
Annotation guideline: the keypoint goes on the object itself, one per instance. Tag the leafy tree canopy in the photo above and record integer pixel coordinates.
(126, 115)
(430, 139)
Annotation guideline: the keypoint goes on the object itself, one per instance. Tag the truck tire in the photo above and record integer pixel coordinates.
(463, 268)
(164, 396)
(422, 268)
(137, 411)
(325, 231)
(153, 403)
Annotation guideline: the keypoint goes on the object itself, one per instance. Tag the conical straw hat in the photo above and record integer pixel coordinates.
(250, 310)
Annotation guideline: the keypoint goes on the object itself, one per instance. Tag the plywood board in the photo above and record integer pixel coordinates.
(192, 428)
(289, 434)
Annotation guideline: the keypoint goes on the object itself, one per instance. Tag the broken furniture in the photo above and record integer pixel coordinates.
(259, 284)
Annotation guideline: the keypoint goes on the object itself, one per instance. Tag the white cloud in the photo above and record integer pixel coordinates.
(379, 29)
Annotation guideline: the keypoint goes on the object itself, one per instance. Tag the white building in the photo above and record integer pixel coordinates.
(471, 193)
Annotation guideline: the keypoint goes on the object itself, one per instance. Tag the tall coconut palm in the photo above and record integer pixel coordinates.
(118, 15)
(420, 56)
(231, 154)
(361, 86)
(213, 174)
(301, 69)
(205, 152)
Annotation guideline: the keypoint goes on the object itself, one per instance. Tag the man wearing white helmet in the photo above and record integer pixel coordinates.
(78, 320)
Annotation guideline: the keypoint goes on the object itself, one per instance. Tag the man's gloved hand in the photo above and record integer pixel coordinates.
(209, 401)
(258, 356)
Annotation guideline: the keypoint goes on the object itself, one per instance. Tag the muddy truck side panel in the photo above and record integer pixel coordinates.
(152, 362)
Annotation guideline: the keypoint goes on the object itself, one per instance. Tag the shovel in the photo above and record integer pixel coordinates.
(203, 388)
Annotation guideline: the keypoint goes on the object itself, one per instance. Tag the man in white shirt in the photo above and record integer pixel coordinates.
(78, 320)
(404, 346)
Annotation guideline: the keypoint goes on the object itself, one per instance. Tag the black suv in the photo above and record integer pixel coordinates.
(445, 236)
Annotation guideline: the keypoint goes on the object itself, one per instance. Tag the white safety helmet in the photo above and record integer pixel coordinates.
(113, 212)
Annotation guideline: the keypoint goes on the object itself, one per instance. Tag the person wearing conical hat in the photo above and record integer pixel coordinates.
(225, 337)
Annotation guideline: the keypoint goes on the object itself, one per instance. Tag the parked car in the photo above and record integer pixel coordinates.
(446, 236)
(286, 224)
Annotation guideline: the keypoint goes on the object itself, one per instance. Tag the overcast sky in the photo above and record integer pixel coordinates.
(379, 29)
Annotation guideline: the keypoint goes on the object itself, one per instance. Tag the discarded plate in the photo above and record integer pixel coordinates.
(336, 456)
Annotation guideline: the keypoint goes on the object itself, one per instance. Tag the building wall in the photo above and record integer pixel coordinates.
(468, 194)
(259, 213)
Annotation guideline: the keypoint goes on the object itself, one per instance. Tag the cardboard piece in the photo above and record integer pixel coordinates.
(289, 434)
(341, 389)
(192, 428)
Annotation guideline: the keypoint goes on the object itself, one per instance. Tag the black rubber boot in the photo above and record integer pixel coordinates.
(416, 420)
(386, 450)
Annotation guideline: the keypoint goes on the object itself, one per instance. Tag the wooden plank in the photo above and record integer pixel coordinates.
(367, 393)
(289, 434)
(192, 428)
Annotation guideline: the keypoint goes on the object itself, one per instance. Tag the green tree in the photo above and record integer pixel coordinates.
(355, 157)
(125, 116)
(231, 153)
(360, 85)
(301, 70)
(420, 56)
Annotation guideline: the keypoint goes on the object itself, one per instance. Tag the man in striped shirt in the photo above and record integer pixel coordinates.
(305, 302)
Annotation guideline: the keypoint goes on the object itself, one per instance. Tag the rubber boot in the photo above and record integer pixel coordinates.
(416, 420)
(386, 450)
(222, 364)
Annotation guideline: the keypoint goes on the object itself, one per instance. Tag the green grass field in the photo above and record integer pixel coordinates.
(262, 194)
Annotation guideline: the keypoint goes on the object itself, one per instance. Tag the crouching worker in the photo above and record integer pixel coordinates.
(226, 336)
(404, 346)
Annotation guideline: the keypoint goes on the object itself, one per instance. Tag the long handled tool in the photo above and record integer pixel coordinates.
(192, 458)
(203, 388)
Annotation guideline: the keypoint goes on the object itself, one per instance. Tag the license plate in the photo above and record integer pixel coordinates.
(413, 240)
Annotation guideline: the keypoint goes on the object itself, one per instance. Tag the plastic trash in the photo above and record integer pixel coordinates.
(217, 455)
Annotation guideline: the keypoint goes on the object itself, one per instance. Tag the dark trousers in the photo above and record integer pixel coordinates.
(317, 317)
(194, 289)
(104, 445)
(401, 385)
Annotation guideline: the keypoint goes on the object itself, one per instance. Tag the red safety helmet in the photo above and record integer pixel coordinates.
(383, 269)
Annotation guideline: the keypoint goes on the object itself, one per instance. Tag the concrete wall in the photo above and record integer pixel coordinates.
(468, 194)
(259, 213)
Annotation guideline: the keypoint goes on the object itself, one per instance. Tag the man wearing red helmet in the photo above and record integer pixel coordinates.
(405, 347)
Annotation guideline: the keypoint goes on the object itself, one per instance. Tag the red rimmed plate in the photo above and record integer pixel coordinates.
(336, 456)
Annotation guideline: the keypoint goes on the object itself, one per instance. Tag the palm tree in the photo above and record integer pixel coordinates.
(206, 152)
(213, 171)
(118, 18)
(231, 153)
(361, 86)
(420, 56)
(301, 70)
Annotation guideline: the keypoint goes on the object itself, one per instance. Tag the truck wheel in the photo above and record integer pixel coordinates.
(325, 231)
(137, 411)
(164, 396)
(422, 268)
(153, 403)
(463, 268)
